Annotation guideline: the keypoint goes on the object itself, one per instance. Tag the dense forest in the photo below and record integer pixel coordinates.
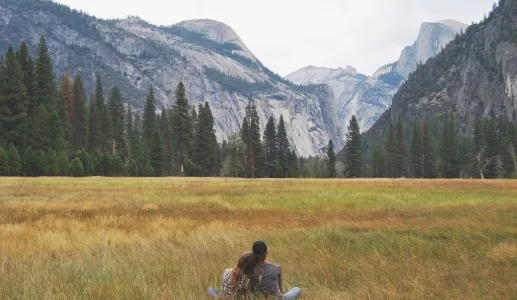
(51, 127)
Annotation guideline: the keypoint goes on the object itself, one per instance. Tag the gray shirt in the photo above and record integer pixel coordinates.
(270, 277)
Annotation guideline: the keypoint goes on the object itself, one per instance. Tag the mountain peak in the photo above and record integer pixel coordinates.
(455, 25)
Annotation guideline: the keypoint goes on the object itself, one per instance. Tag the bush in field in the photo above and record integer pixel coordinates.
(76, 167)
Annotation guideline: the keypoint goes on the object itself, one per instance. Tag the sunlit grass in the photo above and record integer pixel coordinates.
(170, 238)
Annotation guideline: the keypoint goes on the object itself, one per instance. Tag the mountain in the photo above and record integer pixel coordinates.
(474, 76)
(432, 38)
(368, 97)
(208, 56)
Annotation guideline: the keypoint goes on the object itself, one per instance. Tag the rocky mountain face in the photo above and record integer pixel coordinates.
(208, 56)
(367, 97)
(474, 76)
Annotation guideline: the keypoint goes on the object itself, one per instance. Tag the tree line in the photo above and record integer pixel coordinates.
(48, 129)
(416, 152)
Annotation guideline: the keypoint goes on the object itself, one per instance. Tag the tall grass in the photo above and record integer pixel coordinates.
(170, 238)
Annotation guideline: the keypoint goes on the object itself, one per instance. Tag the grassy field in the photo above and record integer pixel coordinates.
(170, 238)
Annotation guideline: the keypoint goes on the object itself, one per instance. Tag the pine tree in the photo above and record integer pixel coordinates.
(270, 147)
(103, 119)
(57, 137)
(63, 164)
(165, 132)
(214, 154)
(41, 130)
(391, 150)
(136, 140)
(78, 122)
(30, 164)
(133, 169)
(282, 144)
(149, 118)
(67, 95)
(130, 135)
(157, 153)
(14, 160)
(399, 163)
(13, 101)
(182, 128)
(94, 136)
(117, 114)
(331, 160)
(416, 152)
(76, 167)
(254, 143)
(4, 162)
(87, 163)
(491, 148)
(353, 149)
(51, 163)
(428, 158)
(378, 162)
(45, 91)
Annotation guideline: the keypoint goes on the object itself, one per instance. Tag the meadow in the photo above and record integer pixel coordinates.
(171, 238)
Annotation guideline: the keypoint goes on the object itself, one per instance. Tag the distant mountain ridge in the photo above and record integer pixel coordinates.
(208, 56)
(367, 97)
(475, 76)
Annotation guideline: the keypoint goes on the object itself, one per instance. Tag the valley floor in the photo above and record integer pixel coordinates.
(171, 238)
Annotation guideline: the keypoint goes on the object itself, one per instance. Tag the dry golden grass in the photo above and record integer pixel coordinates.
(171, 238)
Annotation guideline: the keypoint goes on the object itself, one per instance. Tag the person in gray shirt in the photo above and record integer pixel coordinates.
(266, 277)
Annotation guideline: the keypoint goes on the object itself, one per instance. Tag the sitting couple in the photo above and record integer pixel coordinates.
(254, 275)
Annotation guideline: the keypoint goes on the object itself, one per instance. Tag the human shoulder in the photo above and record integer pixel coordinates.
(274, 266)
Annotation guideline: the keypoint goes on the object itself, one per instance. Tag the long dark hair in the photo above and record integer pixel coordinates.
(241, 274)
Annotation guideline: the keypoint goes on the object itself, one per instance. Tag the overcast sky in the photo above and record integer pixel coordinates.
(287, 35)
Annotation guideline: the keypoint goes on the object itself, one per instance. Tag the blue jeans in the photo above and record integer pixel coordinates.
(213, 292)
(293, 294)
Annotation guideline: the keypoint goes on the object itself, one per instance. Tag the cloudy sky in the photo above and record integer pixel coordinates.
(289, 34)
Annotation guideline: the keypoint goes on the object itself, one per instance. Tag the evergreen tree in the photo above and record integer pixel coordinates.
(254, 145)
(428, 158)
(87, 163)
(14, 160)
(282, 144)
(13, 100)
(78, 122)
(94, 135)
(57, 138)
(27, 67)
(157, 153)
(30, 164)
(117, 114)
(391, 150)
(67, 95)
(51, 163)
(491, 149)
(45, 91)
(115, 166)
(133, 169)
(136, 141)
(41, 134)
(270, 147)
(416, 152)
(149, 118)
(103, 119)
(331, 160)
(278, 173)
(76, 167)
(4, 162)
(130, 135)
(63, 164)
(399, 156)
(165, 132)
(181, 127)
(378, 162)
(215, 155)
(353, 151)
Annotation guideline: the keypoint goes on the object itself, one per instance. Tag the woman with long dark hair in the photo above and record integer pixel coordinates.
(266, 278)
(236, 282)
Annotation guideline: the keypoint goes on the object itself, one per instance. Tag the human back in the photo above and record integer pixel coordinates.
(270, 275)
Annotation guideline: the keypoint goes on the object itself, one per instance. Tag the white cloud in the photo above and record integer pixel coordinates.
(289, 34)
